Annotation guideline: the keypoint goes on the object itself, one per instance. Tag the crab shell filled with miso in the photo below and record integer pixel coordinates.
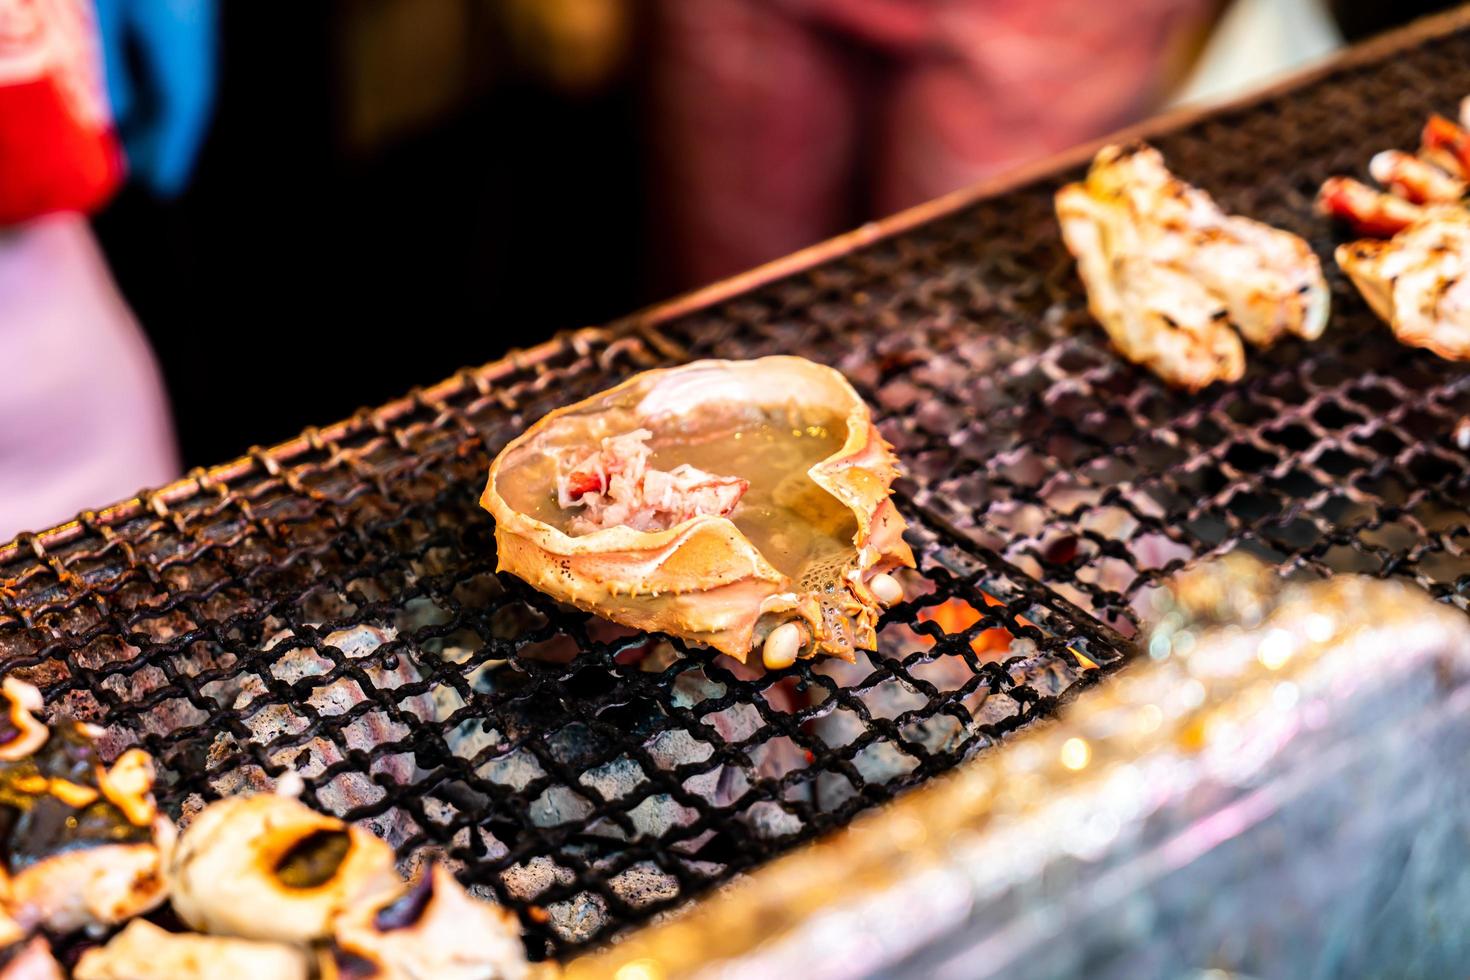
(733, 504)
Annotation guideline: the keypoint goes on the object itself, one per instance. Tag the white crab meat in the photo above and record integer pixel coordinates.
(1419, 281)
(435, 932)
(267, 867)
(143, 951)
(615, 486)
(1175, 280)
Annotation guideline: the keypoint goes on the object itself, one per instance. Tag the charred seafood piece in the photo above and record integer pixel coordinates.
(143, 951)
(21, 733)
(730, 503)
(1176, 281)
(434, 932)
(1418, 282)
(267, 867)
(1413, 265)
(84, 843)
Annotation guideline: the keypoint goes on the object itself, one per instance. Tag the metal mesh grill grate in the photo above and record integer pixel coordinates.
(971, 335)
(341, 617)
(333, 608)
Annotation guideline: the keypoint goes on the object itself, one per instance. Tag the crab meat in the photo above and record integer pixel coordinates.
(794, 531)
(1175, 280)
(1419, 281)
(267, 867)
(616, 487)
(143, 951)
(435, 932)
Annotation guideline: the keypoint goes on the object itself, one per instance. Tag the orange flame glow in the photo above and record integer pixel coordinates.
(957, 615)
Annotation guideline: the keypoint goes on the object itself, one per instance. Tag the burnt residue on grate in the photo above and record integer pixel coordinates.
(332, 608)
(971, 336)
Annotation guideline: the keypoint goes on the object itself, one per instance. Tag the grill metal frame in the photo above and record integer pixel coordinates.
(1044, 473)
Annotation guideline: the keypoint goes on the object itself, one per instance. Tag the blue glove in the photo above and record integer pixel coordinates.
(163, 114)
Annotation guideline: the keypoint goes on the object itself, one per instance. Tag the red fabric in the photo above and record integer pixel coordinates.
(58, 151)
(49, 161)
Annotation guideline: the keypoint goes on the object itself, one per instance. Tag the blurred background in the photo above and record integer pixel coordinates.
(307, 208)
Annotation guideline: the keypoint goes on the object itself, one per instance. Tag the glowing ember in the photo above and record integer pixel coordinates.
(957, 615)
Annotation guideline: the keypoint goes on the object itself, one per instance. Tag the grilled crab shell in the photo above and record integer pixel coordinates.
(227, 873)
(702, 579)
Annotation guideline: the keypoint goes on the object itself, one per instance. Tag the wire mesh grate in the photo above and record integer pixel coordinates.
(971, 335)
(333, 608)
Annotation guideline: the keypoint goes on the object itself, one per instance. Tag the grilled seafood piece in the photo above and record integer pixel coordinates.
(84, 844)
(1413, 268)
(435, 932)
(1370, 212)
(1418, 282)
(21, 733)
(268, 867)
(143, 951)
(24, 957)
(29, 960)
(730, 503)
(1176, 281)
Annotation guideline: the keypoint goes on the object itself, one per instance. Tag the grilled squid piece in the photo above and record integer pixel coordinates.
(1413, 266)
(435, 932)
(1176, 281)
(84, 844)
(143, 951)
(267, 867)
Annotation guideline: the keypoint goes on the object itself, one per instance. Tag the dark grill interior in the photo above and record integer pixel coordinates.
(333, 607)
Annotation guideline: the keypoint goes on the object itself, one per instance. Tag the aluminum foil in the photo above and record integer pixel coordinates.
(1278, 788)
